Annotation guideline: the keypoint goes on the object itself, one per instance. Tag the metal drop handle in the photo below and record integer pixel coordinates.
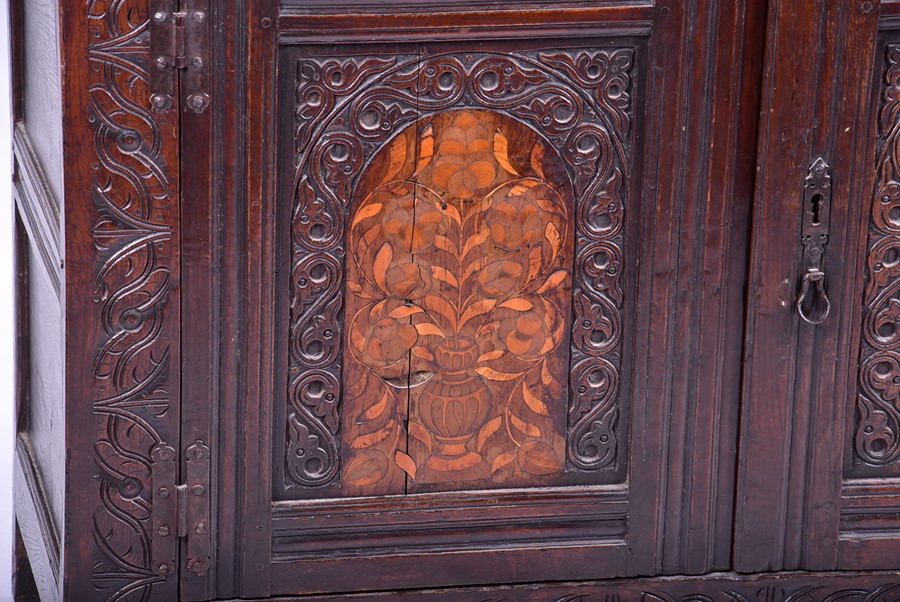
(813, 305)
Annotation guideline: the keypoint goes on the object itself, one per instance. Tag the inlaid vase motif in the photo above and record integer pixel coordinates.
(458, 303)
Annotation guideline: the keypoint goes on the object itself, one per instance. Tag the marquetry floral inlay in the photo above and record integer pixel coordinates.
(459, 286)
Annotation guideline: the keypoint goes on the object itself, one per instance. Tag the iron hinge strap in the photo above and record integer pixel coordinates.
(179, 43)
(181, 510)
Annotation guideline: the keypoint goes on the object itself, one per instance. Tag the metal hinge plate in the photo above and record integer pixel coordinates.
(179, 44)
(181, 511)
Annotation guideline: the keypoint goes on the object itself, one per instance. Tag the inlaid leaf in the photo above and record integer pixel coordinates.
(420, 434)
(404, 311)
(444, 275)
(378, 409)
(406, 463)
(370, 439)
(522, 187)
(551, 233)
(475, 240)
(477, 309)
(450, 211)
(526, 428)
(534, 404)
(548, 205)
(427, 328)
(366, 468)
(439, 305)
(356, 338)
(537, 159)
(422, 352)
(491, 374)
(518, 304)
(554, 280)
(502, 460)
(382, 261)
(426, 148)
(534, 263)
(396, 158)
(445, 244)
(501, 152)
(538, 459)
(491, 427)
(366, 212)
(491, 355)
(476, 266)
(546, 377)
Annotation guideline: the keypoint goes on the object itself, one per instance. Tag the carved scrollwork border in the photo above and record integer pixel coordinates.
(347, 108)
(876, 440)
(135, 246)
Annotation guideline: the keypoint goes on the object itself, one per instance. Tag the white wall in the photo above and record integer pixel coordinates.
(6, 314)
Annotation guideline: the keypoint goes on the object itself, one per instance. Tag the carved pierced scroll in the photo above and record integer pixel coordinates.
(877, 433)
(347, 112)
(136, 251)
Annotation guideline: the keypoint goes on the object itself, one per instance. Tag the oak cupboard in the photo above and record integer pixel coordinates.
(471, 300)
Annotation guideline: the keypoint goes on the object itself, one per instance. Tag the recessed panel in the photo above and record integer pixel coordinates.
(457, 269)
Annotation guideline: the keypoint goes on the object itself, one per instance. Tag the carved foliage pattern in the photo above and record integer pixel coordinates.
(135, 254)
(736, 592)
(877, 435)
(346, 109)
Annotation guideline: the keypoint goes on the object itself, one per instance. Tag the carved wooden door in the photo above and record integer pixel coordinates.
(820, 427)
(475, 319)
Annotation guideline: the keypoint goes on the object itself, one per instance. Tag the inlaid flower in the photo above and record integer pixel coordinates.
(467, 165)
(409, 229)
(515, 223)
(529, 327)
(383, 334)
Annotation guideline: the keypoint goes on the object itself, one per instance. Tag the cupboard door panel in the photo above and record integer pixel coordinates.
(472, 252)
(492, 292)
(804, 434)
(869, 526)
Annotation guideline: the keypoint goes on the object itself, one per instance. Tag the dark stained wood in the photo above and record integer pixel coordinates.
(122, 321)
(200, 355)
(716, 587)
(480, 295)
(23, 585)
(428, 23)
(796, 377)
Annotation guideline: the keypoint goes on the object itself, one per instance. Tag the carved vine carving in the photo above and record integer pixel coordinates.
(135, 251)
(877, 436)
(736, 592)
(346, 109)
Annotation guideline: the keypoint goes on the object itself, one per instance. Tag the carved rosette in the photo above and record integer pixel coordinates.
(346, 109)
(877, 434)
(135, 254)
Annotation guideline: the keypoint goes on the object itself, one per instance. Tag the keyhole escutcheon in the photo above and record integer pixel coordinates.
(816, 208)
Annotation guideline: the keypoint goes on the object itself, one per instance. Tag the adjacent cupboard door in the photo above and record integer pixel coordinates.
(819, 455)
(507, 292)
